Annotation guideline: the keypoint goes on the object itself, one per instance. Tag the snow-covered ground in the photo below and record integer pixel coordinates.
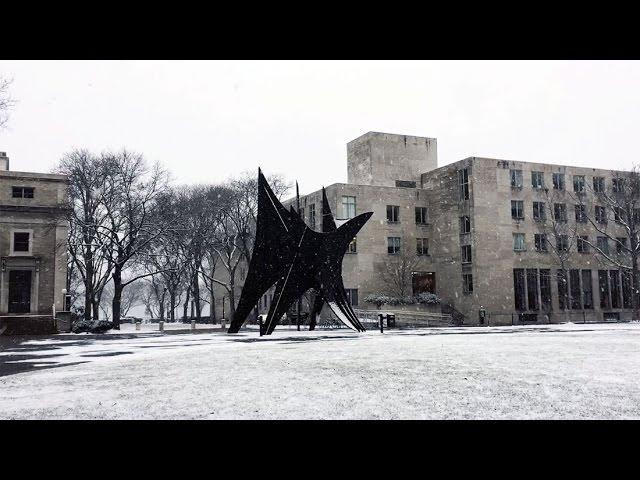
(552, 371)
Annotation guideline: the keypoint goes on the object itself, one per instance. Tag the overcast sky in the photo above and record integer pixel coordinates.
(206, 120)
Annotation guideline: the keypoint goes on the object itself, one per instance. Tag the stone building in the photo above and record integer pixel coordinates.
(477, 233)
(33, 242)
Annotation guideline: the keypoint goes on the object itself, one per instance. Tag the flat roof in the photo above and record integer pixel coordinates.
(52, 177)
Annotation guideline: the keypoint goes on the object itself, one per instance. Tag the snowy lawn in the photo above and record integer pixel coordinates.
(552, 371)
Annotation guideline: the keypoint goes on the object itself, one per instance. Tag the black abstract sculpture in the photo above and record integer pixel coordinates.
(328, 225)
(295, 258)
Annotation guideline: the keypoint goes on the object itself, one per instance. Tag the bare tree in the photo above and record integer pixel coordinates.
(397, 272)
(134, 221)
(558, 234)
(615, 216)
(153, 296)
(89, 208)
(6, 102)
(131, 297)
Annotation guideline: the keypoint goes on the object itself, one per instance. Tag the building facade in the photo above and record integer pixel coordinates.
(510, 238)
(33, 241)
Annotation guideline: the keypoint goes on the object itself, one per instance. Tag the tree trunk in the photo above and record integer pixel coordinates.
(232, 299)
(212, 307)
(88, 290)
(196, 295)
(95, 305)
(161, 307)
(185, 307)
(172, 303)
(117, 297)
(635, 282)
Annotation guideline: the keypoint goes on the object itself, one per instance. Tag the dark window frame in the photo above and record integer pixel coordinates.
(393, 213)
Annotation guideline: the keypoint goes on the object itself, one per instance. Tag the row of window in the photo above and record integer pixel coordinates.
(393, 214)
(541, 243)
(532, 289)
(558, 180)
(539, 212)
(394, 246)
(349, 211)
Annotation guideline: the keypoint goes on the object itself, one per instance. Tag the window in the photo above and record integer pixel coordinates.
(517, 209)
(598, 184)
(601, 214)
(621, 244)
(519, 289)
(615, 289)
(467, 283)
(618, 185)
(562, 243)
(463, 183)
(618, 214)
(352, 296)
(603, 244)
(603, 285)
(393, 245)
(626, 288)
(301, 212)
(540, 242)
(465, 224)
(560, 212)
(578, 183)
(353, 246)
(532, 288)
(537, 179)
(581, 245)
(518, 242)
(558, 181)
(465, 253)
(22, 192)
(422, 246)
(587, 290)
(421, 215)
(539, 213)
(21, 241)
(581, 215)
(393, 213)
(405, 184)
(516, 178)
(312, 215)
(576, 292)
(545, 289)
(563, 290)
(348, 207)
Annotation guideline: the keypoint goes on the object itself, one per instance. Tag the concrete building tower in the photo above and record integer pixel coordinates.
(390, 160)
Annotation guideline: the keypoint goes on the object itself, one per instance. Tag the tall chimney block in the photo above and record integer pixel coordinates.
(4, 161)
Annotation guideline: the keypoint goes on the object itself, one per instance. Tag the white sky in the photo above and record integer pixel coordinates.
(206, 120)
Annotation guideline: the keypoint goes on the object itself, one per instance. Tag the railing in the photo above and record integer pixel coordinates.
(448, 309)
(405, 319)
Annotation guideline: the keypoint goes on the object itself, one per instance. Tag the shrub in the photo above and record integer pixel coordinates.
(100, 326)
(80, 326)
(379, 299)
(427, 299)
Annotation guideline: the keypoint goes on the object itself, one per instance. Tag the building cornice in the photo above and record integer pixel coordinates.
(35, 209)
